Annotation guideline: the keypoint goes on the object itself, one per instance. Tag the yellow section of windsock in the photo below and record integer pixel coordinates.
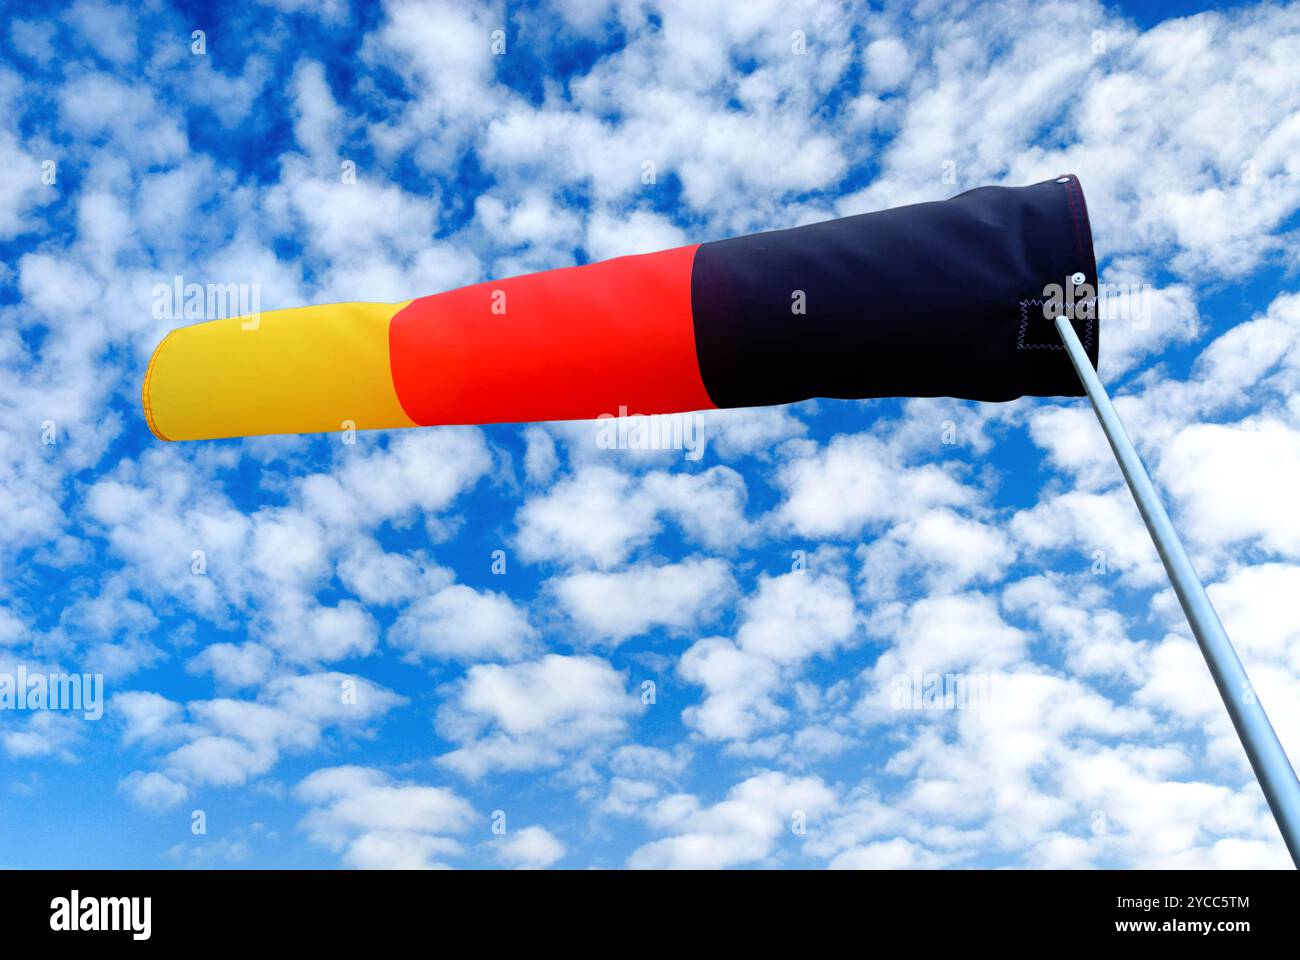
(305, 370)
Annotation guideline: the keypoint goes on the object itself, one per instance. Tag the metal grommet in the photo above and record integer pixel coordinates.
(1063, 180)
(1077, 278)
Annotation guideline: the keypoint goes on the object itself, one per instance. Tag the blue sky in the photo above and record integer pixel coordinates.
(992, 543)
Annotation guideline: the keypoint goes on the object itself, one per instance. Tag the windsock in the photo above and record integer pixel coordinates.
(952, 298)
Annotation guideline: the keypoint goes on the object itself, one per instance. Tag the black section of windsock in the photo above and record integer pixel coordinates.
(930, 300)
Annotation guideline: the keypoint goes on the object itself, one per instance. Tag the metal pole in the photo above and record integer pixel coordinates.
(1269, 760)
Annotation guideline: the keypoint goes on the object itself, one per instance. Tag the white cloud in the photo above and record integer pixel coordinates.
(944, 549)
(856, 481)
(108, 29)
(534, 714)
(26, 192)
(532, 848)
(228, 742)
(962, 632)
(888, 62)
(1103, 529)
(378, 823)
(327, 10)
(12, 627)
(419, 471)
(593, 517)
(616, 606)
(33, 39)
(96, 106)
(1139, 320)
(896, 854)
(153, 791)
(1097, 639)
(148, 717)
(709, 507)
(740, 689)
(1157, 821)
(991, 778)
(380, 578)
(317, 121)
(787, 621)
(745, 828)
(1258, 609)
(540, 459)
(745, 431)
(43, 734)
(209, 853)
(638, 232)
(1232, 483)
(443, 53)
(460, 623)
(796, 616)
(237, 665)
(326, 634)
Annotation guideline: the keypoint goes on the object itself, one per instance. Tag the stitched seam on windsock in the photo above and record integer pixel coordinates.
(1070, 186)
(1024, 327)
(145, 400)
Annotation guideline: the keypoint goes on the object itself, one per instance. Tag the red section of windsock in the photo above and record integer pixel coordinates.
(567, 344)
